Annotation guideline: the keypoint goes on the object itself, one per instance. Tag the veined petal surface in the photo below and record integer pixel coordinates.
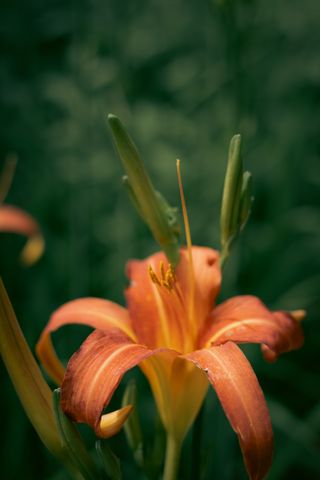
(245, 319)
(93, 312)
(242, 399)
(94, 372)
(166, 316)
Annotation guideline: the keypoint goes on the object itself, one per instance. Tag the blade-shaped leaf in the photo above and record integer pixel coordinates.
(152, 207)
(73, 443)
(132, 426)
(110, 461)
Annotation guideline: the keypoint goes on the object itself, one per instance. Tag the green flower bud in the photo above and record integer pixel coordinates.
(236, 199)
(151, 207)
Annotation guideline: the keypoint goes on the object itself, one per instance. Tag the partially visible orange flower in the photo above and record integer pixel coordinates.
(15, 220)
(182, 342)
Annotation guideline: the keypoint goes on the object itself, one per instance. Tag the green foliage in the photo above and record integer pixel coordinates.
(184, 76)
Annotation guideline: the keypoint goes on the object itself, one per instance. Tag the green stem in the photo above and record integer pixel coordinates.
(196, 443)
(171, 466)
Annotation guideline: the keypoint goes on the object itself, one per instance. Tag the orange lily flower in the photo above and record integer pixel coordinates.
(15, 220)
(182, 342)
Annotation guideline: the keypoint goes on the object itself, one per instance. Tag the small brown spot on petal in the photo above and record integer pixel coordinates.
(210, 261)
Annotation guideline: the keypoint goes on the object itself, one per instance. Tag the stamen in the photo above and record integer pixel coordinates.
(163, 273)
(167, 279)
(174, 304)
(153, 276)
(189, 245)
(167, 285)
(170, 276)
(185, 214)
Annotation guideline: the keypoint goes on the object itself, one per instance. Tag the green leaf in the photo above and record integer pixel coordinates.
(246, 200)
(231, 192)
(132, 427)
(73, 443)
(110, 461)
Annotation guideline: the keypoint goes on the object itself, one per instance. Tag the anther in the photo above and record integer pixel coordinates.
(167, 278)
(162, 270)
(153, 276)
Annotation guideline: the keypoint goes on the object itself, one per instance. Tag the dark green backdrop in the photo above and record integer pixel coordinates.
(184, 76)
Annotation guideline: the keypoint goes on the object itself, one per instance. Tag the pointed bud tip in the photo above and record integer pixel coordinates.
(236, 140)
(113, 120)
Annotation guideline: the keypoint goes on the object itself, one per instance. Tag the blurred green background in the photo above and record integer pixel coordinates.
(184, 76)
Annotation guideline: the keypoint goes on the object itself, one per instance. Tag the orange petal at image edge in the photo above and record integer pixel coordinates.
(15, 220)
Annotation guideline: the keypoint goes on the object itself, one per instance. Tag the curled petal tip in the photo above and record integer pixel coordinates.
(111, 423)
(33, 250)
(298, 315)
(268, 354)
(15, 220)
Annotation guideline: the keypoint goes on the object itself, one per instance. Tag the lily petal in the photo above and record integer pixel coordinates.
(94, 312)
(189, 386)
(95, 371)
(246, 319)
(207, 275)
(243, 402)
(162, 316)
(178, 388)
(15, 220)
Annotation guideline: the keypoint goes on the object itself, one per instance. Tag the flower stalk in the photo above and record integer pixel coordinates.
(172, 459)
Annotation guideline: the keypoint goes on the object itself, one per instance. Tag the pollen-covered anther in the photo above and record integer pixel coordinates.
(153, 276)
(166, 279)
